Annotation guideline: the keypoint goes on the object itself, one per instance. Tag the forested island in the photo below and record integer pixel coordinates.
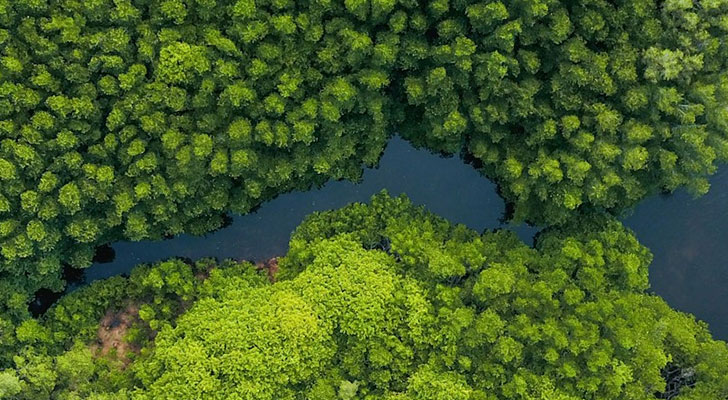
(144, 119)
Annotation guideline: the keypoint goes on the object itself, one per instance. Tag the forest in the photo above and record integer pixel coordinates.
(381, 301)
(145, 119)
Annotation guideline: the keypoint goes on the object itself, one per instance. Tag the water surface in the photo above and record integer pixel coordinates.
(685, 234)
(446, 186)
(687, 237)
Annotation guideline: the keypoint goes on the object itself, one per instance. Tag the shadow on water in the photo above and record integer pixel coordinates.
(45, 298)
(684, 234)
(104, 254)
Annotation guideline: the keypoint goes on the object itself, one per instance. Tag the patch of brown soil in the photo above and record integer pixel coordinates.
(270, 267)
(202, 275)
(112, 329)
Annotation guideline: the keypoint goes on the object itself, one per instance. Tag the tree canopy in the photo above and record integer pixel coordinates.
(135, 119)
(386, 301)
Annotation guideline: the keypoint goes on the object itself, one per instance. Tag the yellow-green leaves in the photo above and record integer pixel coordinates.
(483, 15)
(635, 158)
(243, 9)
(70, 198)
(7, 170)
(180, 62)
(493, 282)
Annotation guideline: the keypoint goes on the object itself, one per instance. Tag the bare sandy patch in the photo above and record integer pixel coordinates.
(270, 267)
(110, 336)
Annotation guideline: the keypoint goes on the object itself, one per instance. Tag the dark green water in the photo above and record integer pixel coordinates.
(685, 234)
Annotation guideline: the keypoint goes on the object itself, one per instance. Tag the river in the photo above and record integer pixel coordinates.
(686, 237)
(684, 234)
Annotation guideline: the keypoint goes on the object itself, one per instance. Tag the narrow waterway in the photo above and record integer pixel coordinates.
(446, 186)
(685, 234)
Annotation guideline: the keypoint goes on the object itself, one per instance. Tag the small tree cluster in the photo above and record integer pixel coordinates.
(61, 356)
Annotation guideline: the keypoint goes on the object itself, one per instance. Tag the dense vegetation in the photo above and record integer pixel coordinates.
(383, 301)
(137, 119)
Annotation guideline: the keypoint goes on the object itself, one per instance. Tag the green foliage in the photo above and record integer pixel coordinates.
(369, 311)
(58, 355)
(139, 119)
(136, 120)
(384, 302)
